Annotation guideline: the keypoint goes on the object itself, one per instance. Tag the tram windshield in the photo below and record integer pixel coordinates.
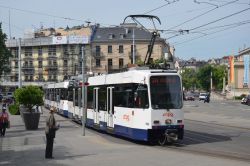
(166, 92)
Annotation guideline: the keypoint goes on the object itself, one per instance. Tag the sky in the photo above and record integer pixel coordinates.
(201, 29)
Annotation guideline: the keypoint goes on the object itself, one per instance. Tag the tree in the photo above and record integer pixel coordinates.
(203, 77)
(4, 53)
(218, 74)
(189, 80)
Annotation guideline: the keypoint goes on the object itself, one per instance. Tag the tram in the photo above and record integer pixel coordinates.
(140, 104)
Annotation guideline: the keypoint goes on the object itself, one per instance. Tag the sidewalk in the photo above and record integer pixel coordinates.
(22, 147)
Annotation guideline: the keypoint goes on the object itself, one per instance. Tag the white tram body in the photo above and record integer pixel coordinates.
(138, 104)
(56, 95)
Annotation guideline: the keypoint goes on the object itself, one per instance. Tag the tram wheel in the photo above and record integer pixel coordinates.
(162, 139)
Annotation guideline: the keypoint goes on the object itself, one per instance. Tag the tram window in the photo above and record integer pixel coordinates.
(102, 99)
(70, 95)
(90, 97)
(63, 94)
(166, 92)
(76, 97)
(141, 97)
(124, 96)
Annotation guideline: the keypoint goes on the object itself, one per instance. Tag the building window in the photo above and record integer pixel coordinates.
(52, 50)
(111, 36)
(98, 50)
(26, 78)
(16, 77)
(31, 63)
(72, 49)
(16, 64)
(28, 51)
(120, 49)
(65, 50)
(65, 63)
(122, 36)
(120, 62)
(98, 63)
(109, 49)
(15, 52)
(110, 63)
(40, 51)
(54, 63)
(40, 64)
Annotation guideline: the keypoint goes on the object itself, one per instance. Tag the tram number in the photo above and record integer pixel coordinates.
(168, 114)
(125, 117)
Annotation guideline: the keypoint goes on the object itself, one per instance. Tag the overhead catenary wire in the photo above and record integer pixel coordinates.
(168, 3)
(186, 41)
(40, 13)
(203, 14)
(241, 11)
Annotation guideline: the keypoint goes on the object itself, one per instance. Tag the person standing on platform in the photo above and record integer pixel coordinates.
(4, 121)
(50, 131)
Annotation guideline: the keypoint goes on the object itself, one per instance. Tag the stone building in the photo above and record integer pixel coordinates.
(53, 55)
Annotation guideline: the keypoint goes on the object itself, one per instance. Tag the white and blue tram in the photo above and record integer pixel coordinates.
(138, 104)
(57, 95)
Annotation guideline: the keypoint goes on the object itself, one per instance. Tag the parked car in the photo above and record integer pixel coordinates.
(246, 100)
(202, 96)
(190, 97)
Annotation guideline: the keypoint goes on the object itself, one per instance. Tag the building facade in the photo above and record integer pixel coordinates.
(238, 81)
(53, 55)
(114, 47)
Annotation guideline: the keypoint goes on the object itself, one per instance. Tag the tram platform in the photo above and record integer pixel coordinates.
(21, 147)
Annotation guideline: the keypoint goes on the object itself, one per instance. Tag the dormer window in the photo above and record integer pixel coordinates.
(111, 36)
(122, 36)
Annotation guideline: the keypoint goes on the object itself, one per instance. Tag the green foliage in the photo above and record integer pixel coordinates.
(13, 109)
(237, 97)
(203, 77)
(158, 61)
(189, 79)
(218, 74)
(4, 53)
(29, 96)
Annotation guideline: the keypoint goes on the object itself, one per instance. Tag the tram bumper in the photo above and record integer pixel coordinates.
(173, 133)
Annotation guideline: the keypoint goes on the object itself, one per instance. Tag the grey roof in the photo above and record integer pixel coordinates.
(102, 34)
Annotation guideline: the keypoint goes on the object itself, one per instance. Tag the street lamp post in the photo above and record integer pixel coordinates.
(84, 92)
(19, 64)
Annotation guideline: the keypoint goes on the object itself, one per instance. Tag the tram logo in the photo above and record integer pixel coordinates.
(125, 117)
(168, 114)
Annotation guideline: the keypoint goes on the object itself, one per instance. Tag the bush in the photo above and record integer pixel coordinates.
(29, 96)
(238, 97)
(14, 109)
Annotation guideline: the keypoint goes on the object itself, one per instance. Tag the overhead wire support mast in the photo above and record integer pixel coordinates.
(155, 33)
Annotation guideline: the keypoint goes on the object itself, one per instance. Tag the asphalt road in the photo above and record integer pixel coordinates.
(217, 138)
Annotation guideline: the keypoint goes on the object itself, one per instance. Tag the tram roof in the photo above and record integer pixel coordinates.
(131, 76)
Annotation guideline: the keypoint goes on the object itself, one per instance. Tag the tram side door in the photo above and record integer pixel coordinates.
(96, 106)
(74, 101)
(110, 107)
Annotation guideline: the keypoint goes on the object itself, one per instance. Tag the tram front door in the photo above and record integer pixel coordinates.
(110, 107)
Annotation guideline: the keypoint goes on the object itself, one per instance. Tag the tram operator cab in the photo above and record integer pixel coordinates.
(138, 104)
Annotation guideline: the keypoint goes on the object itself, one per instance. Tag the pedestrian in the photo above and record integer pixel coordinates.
(4, 121)
(50, 131)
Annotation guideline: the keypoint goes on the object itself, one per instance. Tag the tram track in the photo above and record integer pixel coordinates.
(218, 124)
(207, 152)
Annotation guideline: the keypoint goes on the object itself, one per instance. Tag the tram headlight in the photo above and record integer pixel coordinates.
(168, 121)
